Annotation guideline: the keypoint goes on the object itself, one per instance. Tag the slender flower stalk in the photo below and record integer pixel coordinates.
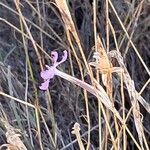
(98, 91)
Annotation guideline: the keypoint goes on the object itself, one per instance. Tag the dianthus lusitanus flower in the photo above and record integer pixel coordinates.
(98, 91)
(50, 72)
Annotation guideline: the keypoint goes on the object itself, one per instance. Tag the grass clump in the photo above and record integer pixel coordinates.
(98, 98)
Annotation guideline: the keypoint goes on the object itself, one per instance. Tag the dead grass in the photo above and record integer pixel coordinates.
(100, 99)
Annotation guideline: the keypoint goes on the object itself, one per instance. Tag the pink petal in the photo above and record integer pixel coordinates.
(44, 86)
(47, 74)
(48, 67)
(64, 57)
(54, 56)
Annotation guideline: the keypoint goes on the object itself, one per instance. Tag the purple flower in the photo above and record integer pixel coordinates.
(50, 71)
(96, 90)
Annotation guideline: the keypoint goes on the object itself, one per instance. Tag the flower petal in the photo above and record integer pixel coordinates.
(48, 67)
(44, 85)
(48, 74)
(64, 57)
(54, 56)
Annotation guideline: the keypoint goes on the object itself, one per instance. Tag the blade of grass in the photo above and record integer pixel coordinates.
(17, 100)
(132, 44)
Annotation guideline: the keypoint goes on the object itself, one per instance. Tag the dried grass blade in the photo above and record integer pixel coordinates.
(66, 16)
(12, 137)
(133, 94)
(76, 129)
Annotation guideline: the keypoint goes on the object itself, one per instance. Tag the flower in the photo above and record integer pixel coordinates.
(49, 73)
(97, 90)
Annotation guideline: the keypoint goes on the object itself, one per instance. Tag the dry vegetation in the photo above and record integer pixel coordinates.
(100, 98)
